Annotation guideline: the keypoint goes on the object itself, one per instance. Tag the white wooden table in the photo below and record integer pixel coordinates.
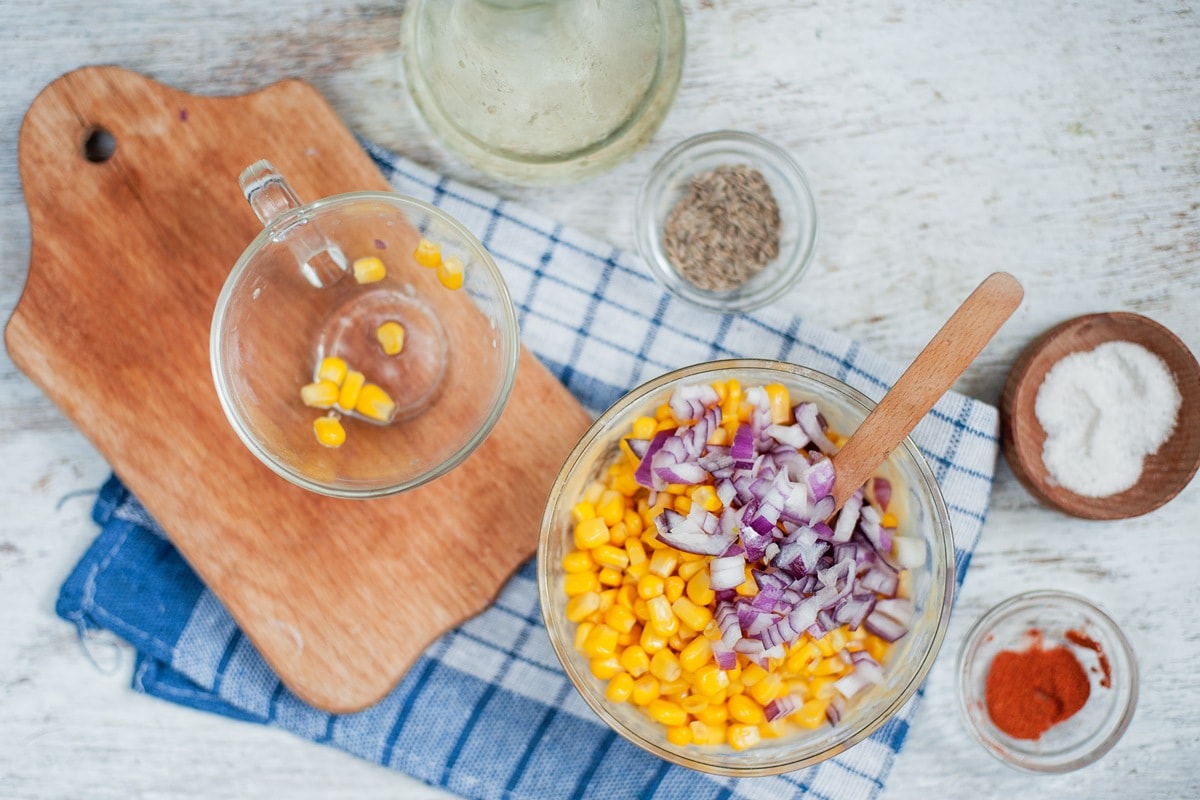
(1059, 141)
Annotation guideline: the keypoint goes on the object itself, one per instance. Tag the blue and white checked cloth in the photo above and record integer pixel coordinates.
(487, 712)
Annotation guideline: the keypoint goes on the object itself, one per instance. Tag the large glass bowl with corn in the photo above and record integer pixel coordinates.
(363, 344)
(702, 598)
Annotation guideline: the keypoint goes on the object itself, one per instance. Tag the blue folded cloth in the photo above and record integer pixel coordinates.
(487, 712)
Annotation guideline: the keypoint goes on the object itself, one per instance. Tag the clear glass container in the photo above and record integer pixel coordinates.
(543, 91)
(1047, 618)
(916, 501)
(292, 298)
(670, 180)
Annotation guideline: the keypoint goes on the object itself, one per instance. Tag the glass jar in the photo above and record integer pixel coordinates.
(543, 91)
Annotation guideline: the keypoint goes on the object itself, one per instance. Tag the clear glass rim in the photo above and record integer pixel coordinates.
(1033, 598)
(729, 766)
(647, 227)
(508, 330)
(577, 165)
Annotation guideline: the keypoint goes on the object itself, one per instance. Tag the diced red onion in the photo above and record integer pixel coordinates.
(883, 626)
(638, 446)
(790, 435)
(881, 488)
(780, 707)
(689, 402)
(644, 473)
(819, 478)
(854, 609)
(808, 418)
(724, 655)
(727, 572)
(688, 534)
(843, 528)
(909, 551)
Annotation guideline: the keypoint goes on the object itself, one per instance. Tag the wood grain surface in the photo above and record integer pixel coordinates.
(129, 255)
(1058, 141)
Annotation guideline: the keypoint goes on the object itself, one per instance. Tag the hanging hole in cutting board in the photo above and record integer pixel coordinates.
(99, 145)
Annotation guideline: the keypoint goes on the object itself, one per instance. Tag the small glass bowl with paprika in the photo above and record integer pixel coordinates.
(727, 221)
(1047, 682)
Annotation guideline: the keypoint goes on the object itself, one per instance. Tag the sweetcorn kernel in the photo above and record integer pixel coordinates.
(601, 642)
(811, 714)
(351, 386)
(667, 713)
(321, 394)
(664, 561)
(428, 254)
(645, 689)
(374, 403)
(780, 402)
(664, 665)
(332, 369)
(607, 555)
(741, 736)
(390, 336)
(577, 561)
(369, 269)
(329, 431)
(576, 583)
(635, 661)
(450, 272)
(695, 654)
(745, 709)
(620, 688)
(591, 533)
(581, 606)
(606, 667)
(679, 735)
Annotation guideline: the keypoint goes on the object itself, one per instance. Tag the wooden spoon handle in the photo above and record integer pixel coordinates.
(927, 378)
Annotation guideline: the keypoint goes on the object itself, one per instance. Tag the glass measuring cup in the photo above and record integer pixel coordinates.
(293, 298)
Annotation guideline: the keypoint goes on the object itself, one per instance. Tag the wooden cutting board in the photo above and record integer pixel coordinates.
(129, 253)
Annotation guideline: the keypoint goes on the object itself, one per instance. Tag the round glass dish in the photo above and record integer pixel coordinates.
(1053, 619)
(669, 181)
(539, 92)
(272, 326)
(916, 500)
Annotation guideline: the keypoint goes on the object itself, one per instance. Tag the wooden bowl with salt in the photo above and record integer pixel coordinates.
(1164, 473)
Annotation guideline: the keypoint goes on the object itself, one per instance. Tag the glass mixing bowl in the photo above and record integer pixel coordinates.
(916, 500)
(293, 299)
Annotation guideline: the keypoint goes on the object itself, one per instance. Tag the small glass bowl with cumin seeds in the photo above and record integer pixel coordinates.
(727, 221)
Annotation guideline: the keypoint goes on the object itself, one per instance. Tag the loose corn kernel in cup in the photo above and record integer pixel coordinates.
(450, 272)
(329, 431)
(374, 403)
(390, 336)
(369, 269)
(321, 394)
(332, 369)
(428, 253)
(351, 387)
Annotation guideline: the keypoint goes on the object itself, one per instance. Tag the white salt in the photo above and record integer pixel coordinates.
(1103, 412)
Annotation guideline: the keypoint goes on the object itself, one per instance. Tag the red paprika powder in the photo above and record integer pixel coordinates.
(1029, 691)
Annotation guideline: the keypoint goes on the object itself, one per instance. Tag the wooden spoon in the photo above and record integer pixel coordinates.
(927, 378)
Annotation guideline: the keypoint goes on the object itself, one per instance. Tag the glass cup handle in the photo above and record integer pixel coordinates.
(321, 261)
